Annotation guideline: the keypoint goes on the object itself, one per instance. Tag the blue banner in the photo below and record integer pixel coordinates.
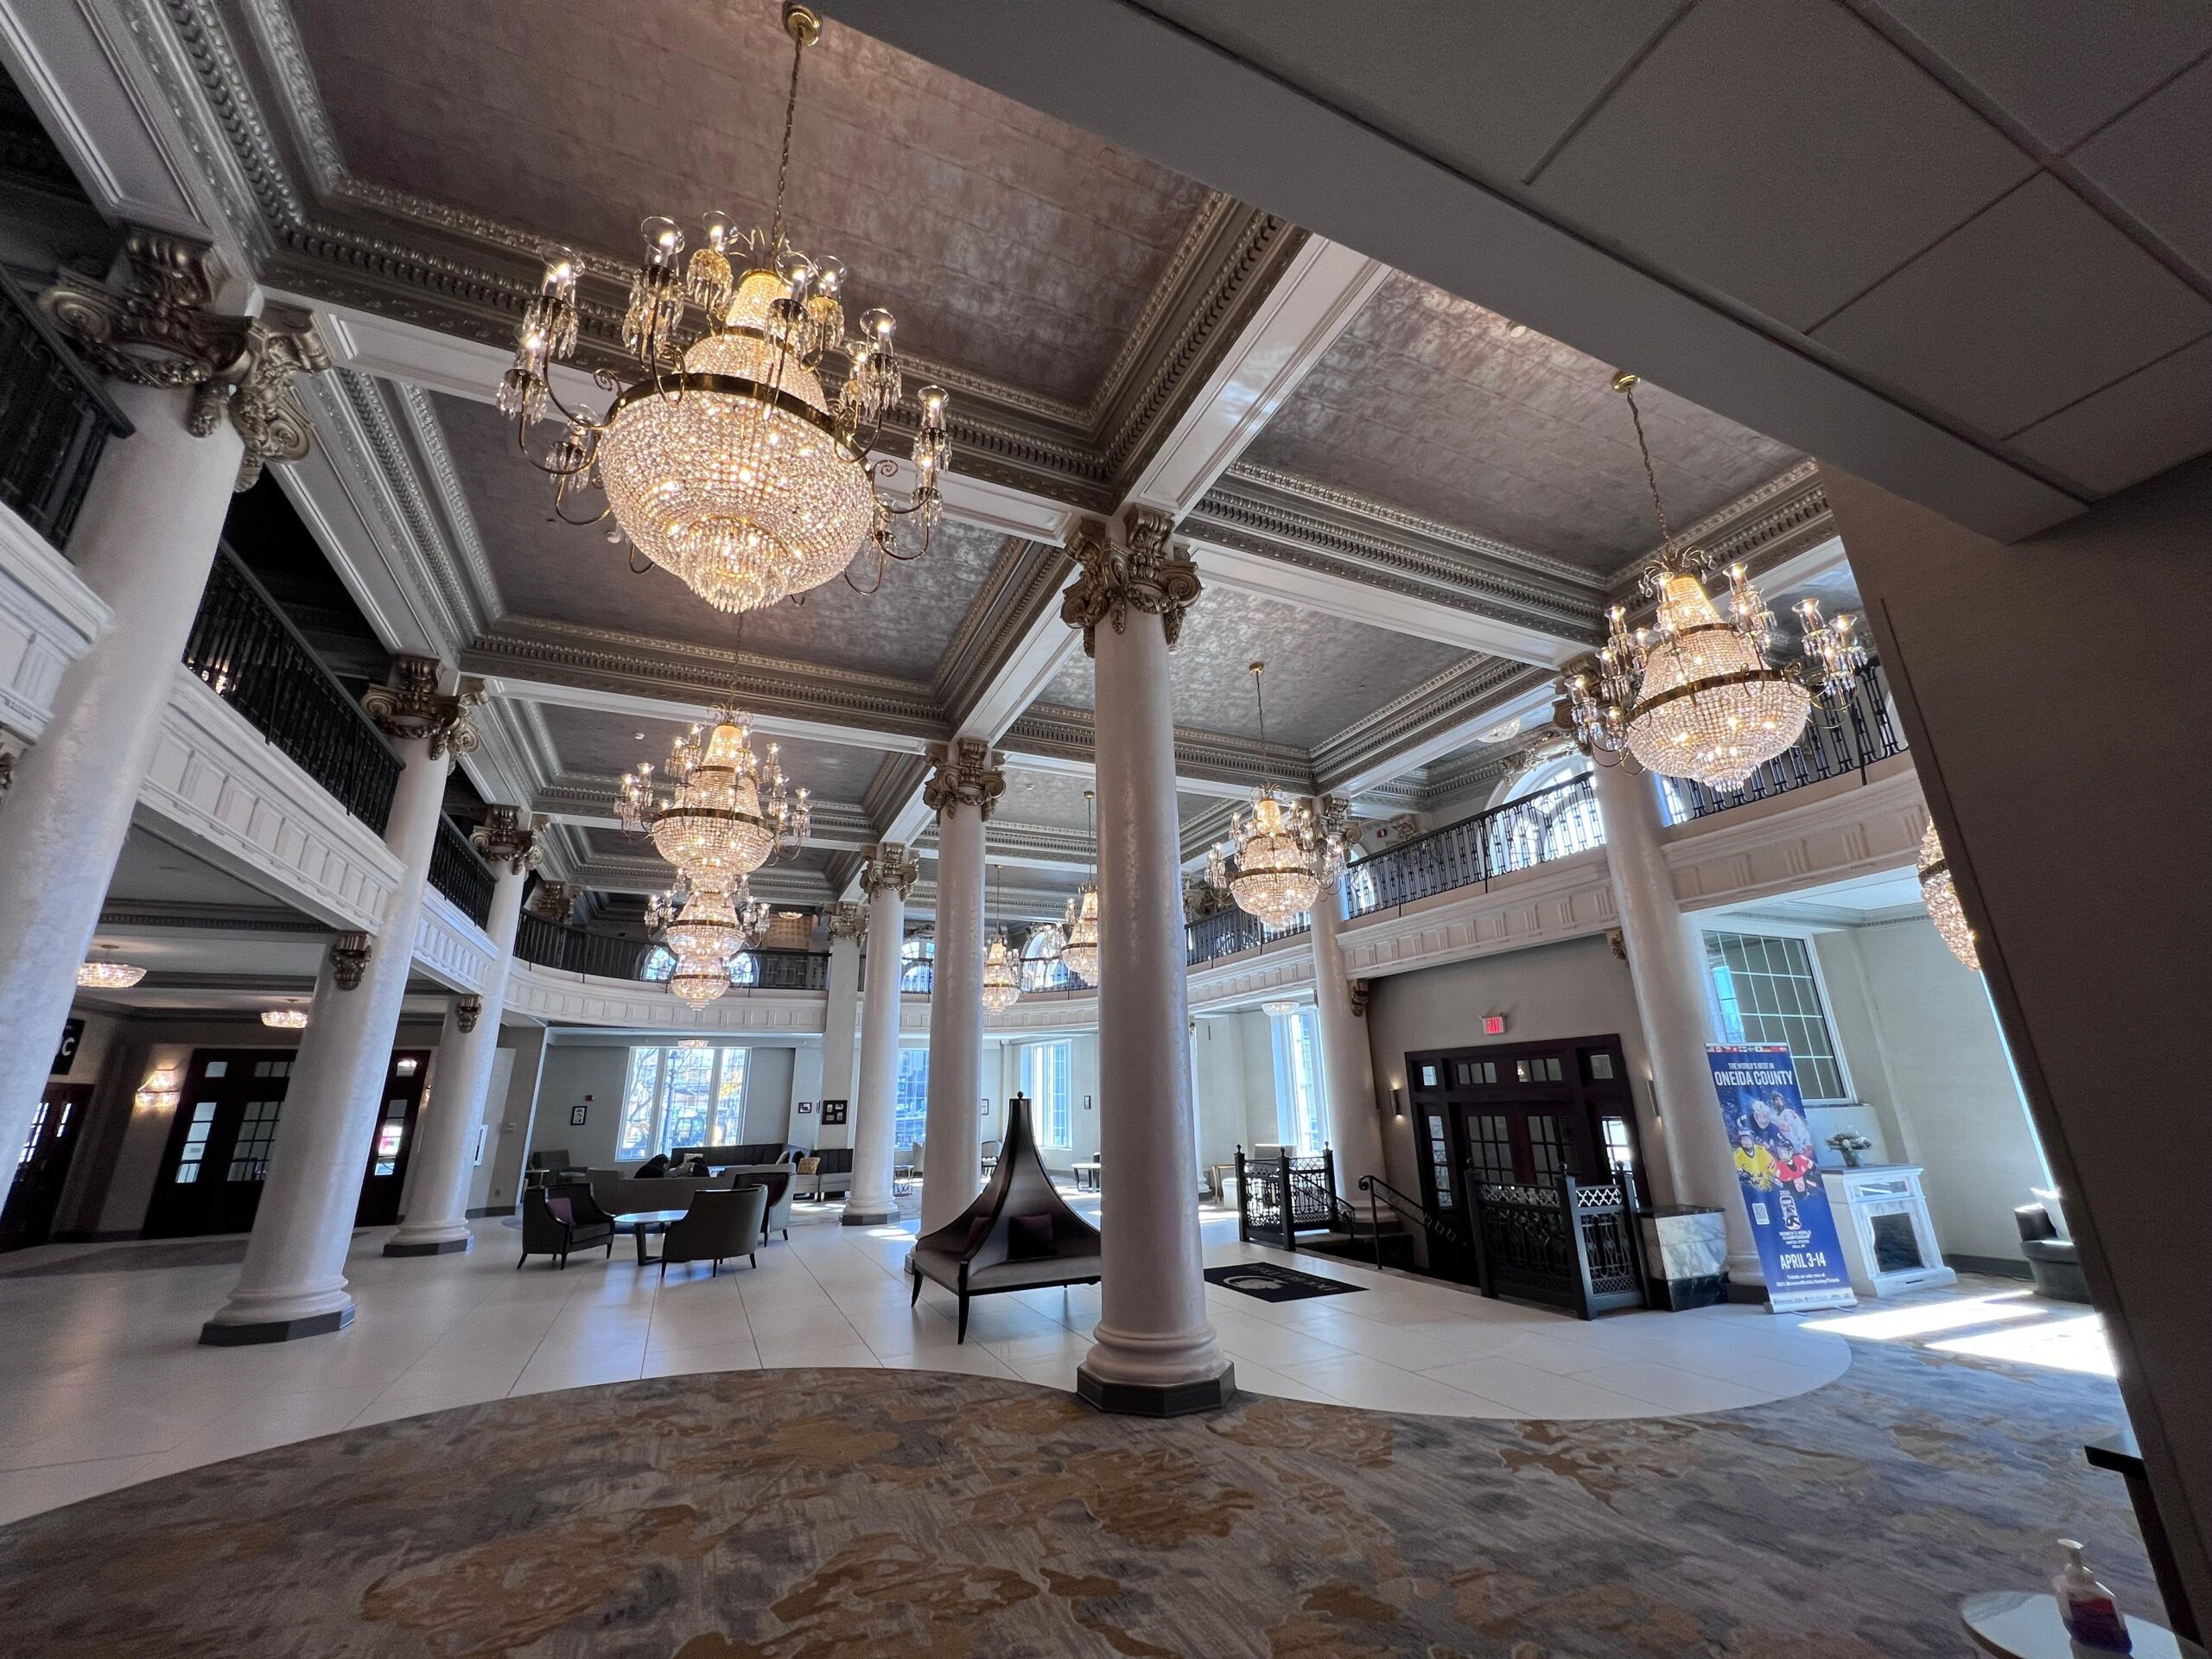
(1764, 1116)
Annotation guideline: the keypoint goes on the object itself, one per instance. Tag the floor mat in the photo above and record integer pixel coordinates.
(1272, 1284)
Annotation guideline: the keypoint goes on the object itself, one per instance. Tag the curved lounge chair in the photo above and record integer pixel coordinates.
(721, 1223)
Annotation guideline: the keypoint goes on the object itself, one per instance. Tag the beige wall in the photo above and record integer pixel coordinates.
(598, 1065)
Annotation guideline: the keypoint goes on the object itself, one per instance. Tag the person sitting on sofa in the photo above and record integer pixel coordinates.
(652, 1169)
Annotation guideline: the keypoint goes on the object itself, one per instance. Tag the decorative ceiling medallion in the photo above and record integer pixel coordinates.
(726, 460)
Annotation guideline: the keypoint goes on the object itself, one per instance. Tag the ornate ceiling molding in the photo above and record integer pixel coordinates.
(1024, 584)
(1302, 524)
(1468, 688)
(1780, 518)
(894, 784)
(1051, 731)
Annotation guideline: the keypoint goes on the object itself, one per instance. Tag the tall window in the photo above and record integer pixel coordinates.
(1048, 1078)
(917, 963)
(682, 1097)
(910, 1121)
(1767, 993)
(1297, 1081)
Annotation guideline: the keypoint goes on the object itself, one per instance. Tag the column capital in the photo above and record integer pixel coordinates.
(848, 921)
(555, 901)
(968, 772)
(466, 1011)
(890, 864)
(508, 835)
(1145, 570)
(163, 332)
(409, 705)
(349, 960)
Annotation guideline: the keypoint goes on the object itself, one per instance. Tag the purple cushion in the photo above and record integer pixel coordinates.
(561, 1212)
(1030, 1238)
(977, 1226)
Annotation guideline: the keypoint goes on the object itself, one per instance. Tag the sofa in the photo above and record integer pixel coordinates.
(750, 1154)
(618, 1194)
(834, 1173)
(2052, 1257)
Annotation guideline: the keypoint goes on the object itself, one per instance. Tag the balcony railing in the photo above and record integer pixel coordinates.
(551, 944)
(458, 872)
(55, 419)
(781, 970)
(1841, 737)
(1228, 931)
(1555, 822)
(250, 654)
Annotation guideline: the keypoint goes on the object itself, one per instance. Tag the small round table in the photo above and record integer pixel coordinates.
(2014, 1624)
(641, 1221)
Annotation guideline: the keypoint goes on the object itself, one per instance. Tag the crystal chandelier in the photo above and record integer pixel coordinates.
(284, 1019)
(725, 460)
(1696, 697)
(1079, 953)
(1276, 856)
(109, 975)
(708, 932)
(728, 811)
(1940, 895)
(1002, 972)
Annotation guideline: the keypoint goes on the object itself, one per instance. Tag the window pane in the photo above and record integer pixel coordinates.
(910, 1121)
(685, 1117)
(1767, 994)
(634, 1143)
(1305, 1082)
(729, 1100)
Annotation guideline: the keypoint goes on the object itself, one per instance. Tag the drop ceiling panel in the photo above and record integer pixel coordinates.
(1494, 85)
(590, 741)
(1439, 406)
(2157, 417)
(2063, 67)
(1007, 243)
(544, 569)
(2154, 161)
(2036, 303)
(1717, 157)
(1324, 672)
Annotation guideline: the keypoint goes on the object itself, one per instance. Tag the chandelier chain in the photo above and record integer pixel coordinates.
(784, 162)
(1258, 699)
(1626, 383)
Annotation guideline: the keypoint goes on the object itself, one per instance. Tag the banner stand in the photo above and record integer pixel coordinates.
(1776, 1170)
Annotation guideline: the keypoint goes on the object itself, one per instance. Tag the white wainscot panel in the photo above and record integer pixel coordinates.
(1834, 831)
(449, 947)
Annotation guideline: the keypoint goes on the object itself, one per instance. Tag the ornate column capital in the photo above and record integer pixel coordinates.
(466, 1011)
(508, 835)
(349, 960)
(163, 332)
(555, 901)
(968, 773)
(848, 921)
(409, 706)
(1147, 572)
(890, 864)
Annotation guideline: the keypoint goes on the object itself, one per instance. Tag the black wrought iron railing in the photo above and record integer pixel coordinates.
(1844, 736)
(1449, 1254)
(1226, 932)
(249, 653)
(458, 872)
(1577, 1245)
(551, 944)
(1555, 822)
(1280, 1197)
(782, 971)
(55, 419)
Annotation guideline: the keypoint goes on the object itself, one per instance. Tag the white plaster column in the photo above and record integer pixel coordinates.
(144, 540)
(841, 1022)
(1153, 1351)
(962, 789)
(436, 1223)
(1347, 1063)
(293, 1283)
(1669, 986)
(888, 878)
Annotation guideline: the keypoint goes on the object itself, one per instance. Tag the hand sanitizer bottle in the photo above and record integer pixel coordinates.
(2086, 1607)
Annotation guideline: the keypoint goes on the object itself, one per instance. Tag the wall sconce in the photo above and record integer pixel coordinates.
(405, 1066)
(160, 1092)
(1398, 1100)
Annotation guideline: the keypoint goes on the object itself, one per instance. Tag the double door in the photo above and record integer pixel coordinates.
(1520, 1115)
(228, 1117)
(35, 1188)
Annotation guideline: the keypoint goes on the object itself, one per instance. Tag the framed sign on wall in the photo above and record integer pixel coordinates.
(833, 1111)
(577, 1115)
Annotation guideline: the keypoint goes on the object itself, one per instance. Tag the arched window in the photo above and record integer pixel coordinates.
(659, 963)
(1555, 821)
(917, 963)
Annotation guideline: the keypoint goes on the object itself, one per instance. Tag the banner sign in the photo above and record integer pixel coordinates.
(1764, 1116)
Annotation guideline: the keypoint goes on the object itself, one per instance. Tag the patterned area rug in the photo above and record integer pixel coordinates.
(860, 1515)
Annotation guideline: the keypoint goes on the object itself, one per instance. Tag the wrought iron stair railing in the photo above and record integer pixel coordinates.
(1570, 1244)
(55, 419)
(1279, 1197)
(247, 652)
(1448, 1247)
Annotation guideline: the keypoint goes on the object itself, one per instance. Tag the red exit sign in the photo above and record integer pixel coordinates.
(1493, 1024)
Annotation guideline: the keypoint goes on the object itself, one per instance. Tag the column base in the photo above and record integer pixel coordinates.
(853, 1217)
(1156, 1399)
(431, 1247)
(213, 1335)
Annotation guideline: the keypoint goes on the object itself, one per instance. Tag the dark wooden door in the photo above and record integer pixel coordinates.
(35, 1190)
(393, 1140)
(227, 1115)
(1519, 1114)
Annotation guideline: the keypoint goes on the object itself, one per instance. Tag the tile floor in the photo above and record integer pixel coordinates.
(107, 1385)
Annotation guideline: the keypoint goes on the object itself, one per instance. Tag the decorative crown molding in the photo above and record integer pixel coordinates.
(1758, 530)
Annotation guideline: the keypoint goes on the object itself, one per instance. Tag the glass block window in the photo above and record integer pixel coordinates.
(1767, 993)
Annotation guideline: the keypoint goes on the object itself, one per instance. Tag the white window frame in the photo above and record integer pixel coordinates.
(1289, 1130)
(898, 1071)
(657, 1117)
(1051, 1135)
(1761, 927)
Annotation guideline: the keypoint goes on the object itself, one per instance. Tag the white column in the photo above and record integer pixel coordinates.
(293, 1283)
(436, 1223)
(1669, 986)
(967, 782)
(1153, 1351)
(888, 879)
(144, 539)
(840, 1020)
(1347, 1064)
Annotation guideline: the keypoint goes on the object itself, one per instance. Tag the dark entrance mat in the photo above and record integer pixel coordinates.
(1272, 1284)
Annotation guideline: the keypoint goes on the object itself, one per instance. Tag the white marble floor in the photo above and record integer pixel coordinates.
(107, 1385)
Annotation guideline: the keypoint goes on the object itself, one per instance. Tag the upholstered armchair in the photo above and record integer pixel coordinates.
(551, 1225)
(721, 1223)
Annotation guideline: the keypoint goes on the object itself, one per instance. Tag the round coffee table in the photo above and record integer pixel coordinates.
(2015, 1624)
(641, 1221)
